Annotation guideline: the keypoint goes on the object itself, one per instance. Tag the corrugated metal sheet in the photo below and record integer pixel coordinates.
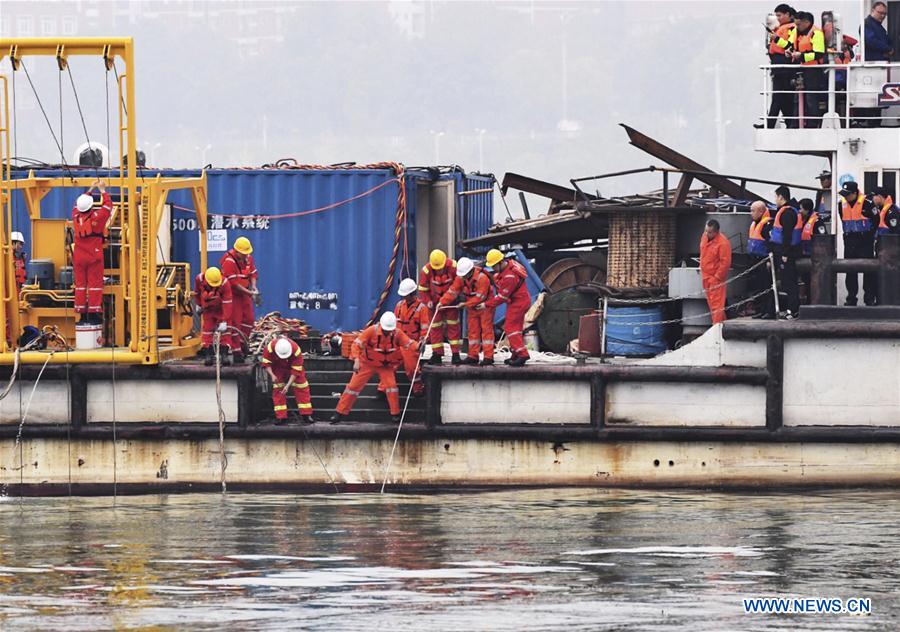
(326, 267)
(474, 213)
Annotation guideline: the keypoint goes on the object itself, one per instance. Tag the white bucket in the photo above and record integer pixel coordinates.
(88, 336)
(531, 341)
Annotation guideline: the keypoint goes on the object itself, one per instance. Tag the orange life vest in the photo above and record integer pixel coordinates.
(852, 218)
(756, 244)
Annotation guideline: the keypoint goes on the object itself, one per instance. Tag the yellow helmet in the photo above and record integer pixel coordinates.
(213, 276)
(494, 257)
(243, 246)
(437, 259)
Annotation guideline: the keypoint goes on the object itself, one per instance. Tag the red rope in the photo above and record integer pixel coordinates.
(399, 224)
(299, 213)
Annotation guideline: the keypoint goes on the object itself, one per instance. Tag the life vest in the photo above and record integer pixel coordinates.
(812, 42)
(781, 41)
(211, 298)
(852, 218)
(409, 318)
(756, 244)
(777, 235)
(86, 225)
(883, 228)
(807, 232)
(470, 285)
(21, 273)
(383, 350)
(436, 282)
(243, 272)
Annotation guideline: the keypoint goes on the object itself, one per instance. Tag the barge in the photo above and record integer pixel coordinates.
(749, 403)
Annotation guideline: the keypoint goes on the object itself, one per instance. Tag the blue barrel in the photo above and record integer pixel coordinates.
(635, 331)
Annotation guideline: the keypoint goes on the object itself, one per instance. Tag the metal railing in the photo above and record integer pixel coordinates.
(859, 101)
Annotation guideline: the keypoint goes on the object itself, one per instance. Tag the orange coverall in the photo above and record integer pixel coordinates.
(283, 370)
(240, 270)
(475, 290)
(216, 303)
(87, 257)
(378, 352)
(715, 262)
(432, 286)
(413, 320)
(511, 289)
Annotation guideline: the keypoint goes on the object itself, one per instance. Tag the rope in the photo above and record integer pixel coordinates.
(701, 294)
(81, 116)
(46, 118)
(412, 382)
(108, 179)
(682, 319)
(399, 225)
(223, 461)
(321, 209)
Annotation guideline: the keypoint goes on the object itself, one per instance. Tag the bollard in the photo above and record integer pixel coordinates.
(889, 262)
(821, 276)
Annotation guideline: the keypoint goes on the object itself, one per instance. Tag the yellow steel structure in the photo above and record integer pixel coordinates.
(140, 288)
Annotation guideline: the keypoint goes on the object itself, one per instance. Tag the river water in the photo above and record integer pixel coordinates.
(564, 559)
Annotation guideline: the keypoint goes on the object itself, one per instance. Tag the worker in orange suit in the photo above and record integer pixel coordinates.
(715, 262)
(376, 351)
(90, 224)
(435, 279)
(472, 290)
(413, 320)
(19, 261)
(283, 360)
(509, 279)
(214, 301)
(240, 270)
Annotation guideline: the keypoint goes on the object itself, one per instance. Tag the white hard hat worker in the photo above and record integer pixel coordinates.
(407, 287)
(388, 321)
(84, 203)
(17, 237)
(464, 266)
(283, 348)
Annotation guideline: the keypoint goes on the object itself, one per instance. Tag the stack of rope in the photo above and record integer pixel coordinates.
(274, 324)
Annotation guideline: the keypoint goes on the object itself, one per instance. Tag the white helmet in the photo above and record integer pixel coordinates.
(17, 236)
(84, 202)
(407, 287)
(388, 321)
(283, 348)
(464, 266)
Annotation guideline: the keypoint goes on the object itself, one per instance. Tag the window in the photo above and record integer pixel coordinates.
(69, 25)
(25, 26)
(48, 26)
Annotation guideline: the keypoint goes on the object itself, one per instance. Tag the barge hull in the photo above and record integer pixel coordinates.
(45, 466)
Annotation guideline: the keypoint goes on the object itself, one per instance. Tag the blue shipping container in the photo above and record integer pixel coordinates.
(328, 265)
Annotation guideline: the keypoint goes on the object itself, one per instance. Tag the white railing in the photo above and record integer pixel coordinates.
(867, 91)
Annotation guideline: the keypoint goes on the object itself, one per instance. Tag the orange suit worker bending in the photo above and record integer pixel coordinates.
(91, 227)
(413, 320)
(238, 267)
(376, 351)
(473, 287)
(509, 279)
(283, 360)
(214, 302)
(435, 279)
(715, 262)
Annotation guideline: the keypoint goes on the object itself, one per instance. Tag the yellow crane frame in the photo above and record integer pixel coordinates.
(142, 204)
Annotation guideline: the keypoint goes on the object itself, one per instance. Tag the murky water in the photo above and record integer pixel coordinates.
(548, 559)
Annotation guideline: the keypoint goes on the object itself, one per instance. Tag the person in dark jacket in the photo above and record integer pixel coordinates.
(858, 224)
(878, 47)
(758, 250)
(785, 244)
(878, 43)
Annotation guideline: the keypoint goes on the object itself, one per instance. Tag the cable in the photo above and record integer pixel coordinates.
(223, 461)
(46, 118)
(412, 381)
(81, 115)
